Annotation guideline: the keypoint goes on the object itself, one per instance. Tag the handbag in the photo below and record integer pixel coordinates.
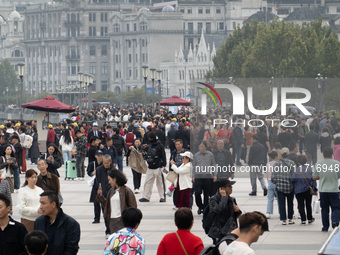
(179, 239)
(312, 191)
(171, 177)
(91, 179)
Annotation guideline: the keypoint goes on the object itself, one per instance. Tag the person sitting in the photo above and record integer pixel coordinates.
(36, 242)
(181, 241)
(127, 240)
(252, 226)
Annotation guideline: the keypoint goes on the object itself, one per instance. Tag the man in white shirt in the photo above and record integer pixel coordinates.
(252, 226)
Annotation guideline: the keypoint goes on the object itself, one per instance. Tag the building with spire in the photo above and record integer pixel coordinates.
(189, 66)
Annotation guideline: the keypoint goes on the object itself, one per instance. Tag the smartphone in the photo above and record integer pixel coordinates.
(165, 171)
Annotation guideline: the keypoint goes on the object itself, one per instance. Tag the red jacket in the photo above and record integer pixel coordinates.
(50, 136)
(170, 244)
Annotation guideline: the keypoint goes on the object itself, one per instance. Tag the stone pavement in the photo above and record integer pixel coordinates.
(158, 220)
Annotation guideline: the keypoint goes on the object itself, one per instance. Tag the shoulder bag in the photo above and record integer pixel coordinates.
(179, 239)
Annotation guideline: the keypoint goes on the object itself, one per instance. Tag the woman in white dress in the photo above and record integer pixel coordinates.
(28, 200)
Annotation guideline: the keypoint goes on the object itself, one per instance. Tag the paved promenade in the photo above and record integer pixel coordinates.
(158, 220)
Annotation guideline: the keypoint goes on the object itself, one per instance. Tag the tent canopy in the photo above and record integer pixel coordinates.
(175, 100)
(49, 104)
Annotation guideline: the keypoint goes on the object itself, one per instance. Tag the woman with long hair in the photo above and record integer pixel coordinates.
(118, 199)
(67, 144)
(34, 150)
(8, 164)
(53, 158)
(28, 200)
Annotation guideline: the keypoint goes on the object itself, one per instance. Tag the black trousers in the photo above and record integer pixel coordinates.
(137, 177)
(202, 186)
(97, 207)
(304, 200)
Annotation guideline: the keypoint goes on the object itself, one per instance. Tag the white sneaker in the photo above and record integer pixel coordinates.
(268, 215)
(284, 222)
(291, 221)
(137, 191)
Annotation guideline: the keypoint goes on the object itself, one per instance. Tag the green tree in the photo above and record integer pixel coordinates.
(8, 79)
(106, 96)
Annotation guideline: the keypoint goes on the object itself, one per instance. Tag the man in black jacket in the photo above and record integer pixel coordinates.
(257, 155)
(94, 132)
(119, 143)
(94, 143)
(109, 149)
(18, 155)
(156, 159)
(171, 136)
(62, 230)
(12, 233)
(160, 134)
(184, 135)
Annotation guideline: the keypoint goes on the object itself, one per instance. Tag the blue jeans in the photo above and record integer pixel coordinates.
(66, 156)
(270, 197)
(329, 199)
(120, 163)
(282, 204)
(17, 178)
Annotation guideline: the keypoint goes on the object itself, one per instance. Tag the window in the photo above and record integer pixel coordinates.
(134, 27)
(92, 17)
(93, 67)
(103, 31)
(189, 10)
(130, 73)
(190, 28)
(104, 67)
(92, 31)
(221, 26)
(207, 10)
(181, 10)
(337, 9)
(127, 27)
(283, 11)
(143, 26)
(116, 27)
(104, 85)
(208, 28)
(117, 59)
(200, 10)
(199, 27)
(17, 54)
(104, 50)
(103, 17)
(92, 50)
(234, 25)
(218, 10)
(130, 58)
(190, 42)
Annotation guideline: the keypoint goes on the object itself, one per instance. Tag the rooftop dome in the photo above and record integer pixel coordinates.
(168, 8)
(261, 17)
(14, 15)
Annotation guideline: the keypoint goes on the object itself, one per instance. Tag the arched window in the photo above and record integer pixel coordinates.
(117, 90)
(143, 26)
(17, 54)
(116, 27)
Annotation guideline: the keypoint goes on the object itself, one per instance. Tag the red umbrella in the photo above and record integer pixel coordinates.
(49, 104)
(175, 100)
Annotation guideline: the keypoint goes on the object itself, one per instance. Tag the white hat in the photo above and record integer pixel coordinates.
(187, 154)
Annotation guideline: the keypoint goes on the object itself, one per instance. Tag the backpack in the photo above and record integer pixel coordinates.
(27, 143)
(213, 248)
(118, 144)
(206, 220)
(152, 158)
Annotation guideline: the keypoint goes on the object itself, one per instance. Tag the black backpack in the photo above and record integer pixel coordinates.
(206, 220)
(152, 157)
(213, 248)
(118, 144)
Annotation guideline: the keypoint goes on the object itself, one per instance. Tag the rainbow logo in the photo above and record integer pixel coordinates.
(209, 93)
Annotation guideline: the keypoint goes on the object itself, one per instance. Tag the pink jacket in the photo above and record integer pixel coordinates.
(336, 152)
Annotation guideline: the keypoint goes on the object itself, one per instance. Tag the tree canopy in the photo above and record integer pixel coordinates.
(278, 49)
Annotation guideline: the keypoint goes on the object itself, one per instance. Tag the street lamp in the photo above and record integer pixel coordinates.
(7, 95)
(16, 94)
(81, 80)
(321, 86)
(159, 78)
(21, 71)
(153, 76)
(145, 69)
(89, 96)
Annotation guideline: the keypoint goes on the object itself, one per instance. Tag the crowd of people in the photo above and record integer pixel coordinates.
(205, 157)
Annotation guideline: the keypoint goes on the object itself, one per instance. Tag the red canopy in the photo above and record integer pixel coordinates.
(175, 100)
(49, 104)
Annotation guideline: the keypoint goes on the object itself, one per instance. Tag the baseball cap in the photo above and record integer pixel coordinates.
(188, 124)
(75, 124)
(223, 182)
(50, 126)
(95, 124)
(174, 119)
(99, 152)
(172, 124)
(17, 125)
(187, 154)
(136, 125)
(2, 127)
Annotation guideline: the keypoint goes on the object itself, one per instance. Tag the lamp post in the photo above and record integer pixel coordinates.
(85, 91)
(153, 76)
(321, 86)
(7, 95)
(89, 96)
(159, 78)
(81, 80)
(145, 69)
(16, 94)
(21, 71)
